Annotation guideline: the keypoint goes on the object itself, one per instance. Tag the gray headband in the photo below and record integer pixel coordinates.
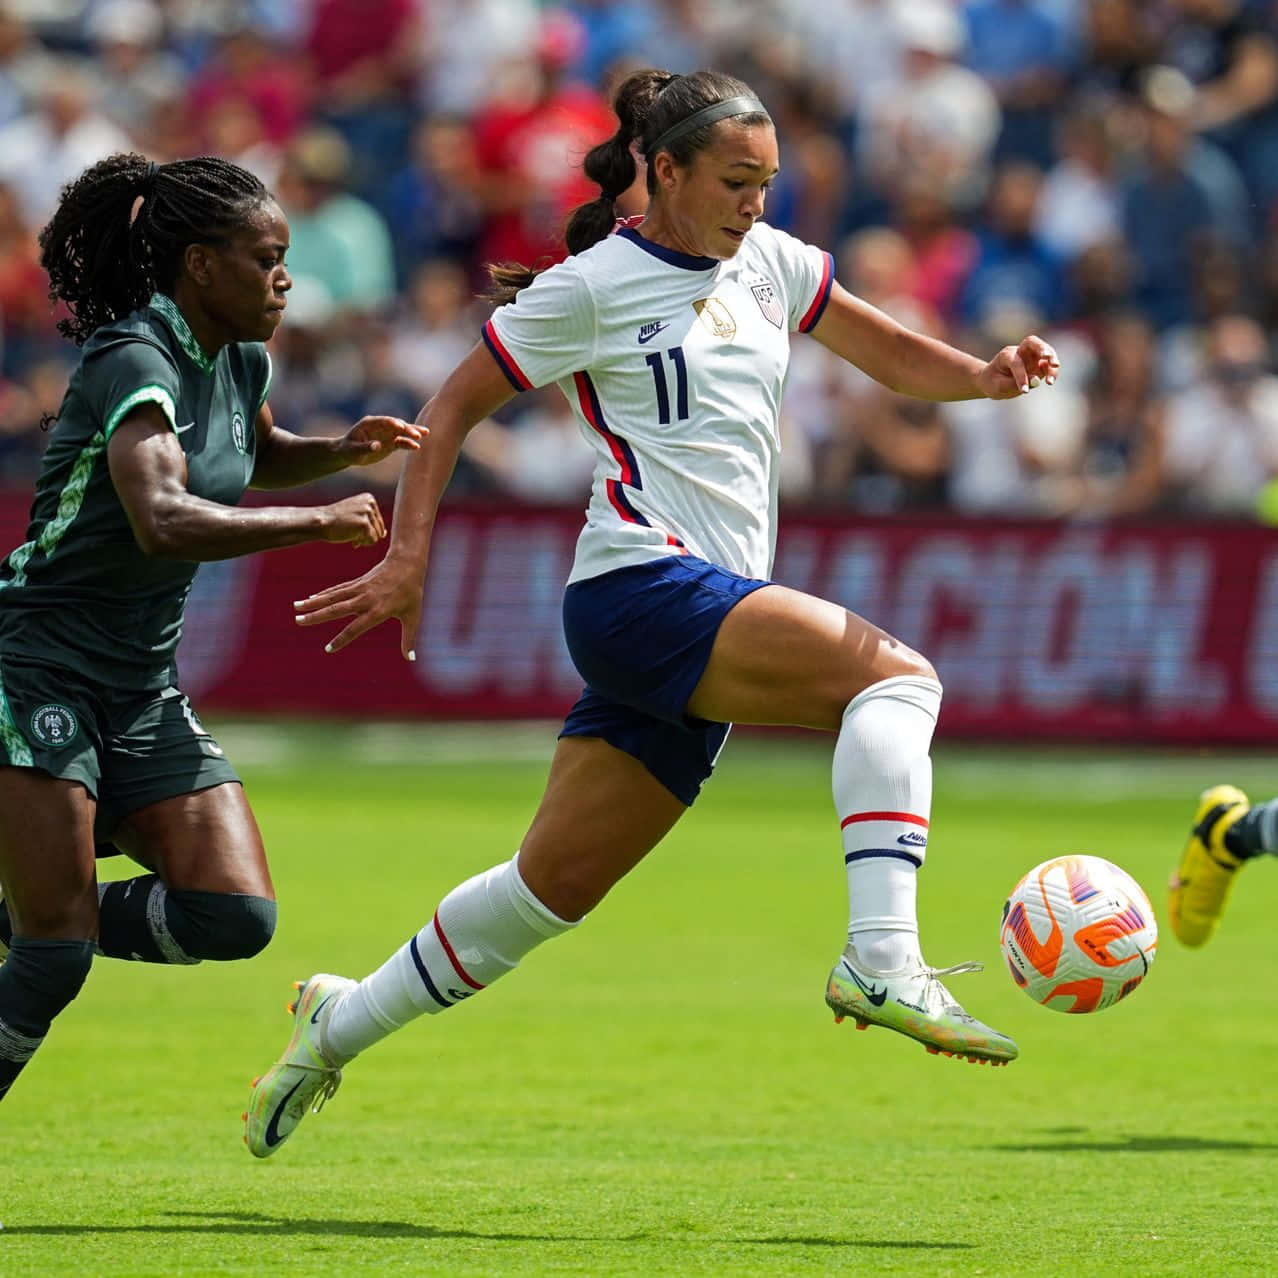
(744, 105)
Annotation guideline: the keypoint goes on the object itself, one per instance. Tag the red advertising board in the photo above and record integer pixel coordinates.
(1132, 632)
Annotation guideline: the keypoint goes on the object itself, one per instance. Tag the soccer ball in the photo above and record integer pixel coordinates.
(1078, 934)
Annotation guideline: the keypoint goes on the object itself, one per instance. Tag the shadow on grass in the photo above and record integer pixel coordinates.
(212, 1223)
(1131, 1144)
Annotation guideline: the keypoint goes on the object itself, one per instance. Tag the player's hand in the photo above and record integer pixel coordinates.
(391, 589)
(357, 520)
(372, 438)
(1017, 369)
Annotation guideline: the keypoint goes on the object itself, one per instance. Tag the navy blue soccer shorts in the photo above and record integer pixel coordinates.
(641, 638)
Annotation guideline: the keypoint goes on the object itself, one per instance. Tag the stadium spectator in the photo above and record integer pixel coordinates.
(466, 46)
(336, 237)
(1013, 266)
(435, 329)
(668, 613)
(245, 72)
(944, 250)
(1019, 48)
(173, 277)
(941, 122)
(1122, 471)
(540, 457)
(365, 59)
(529, 140)
(1183, 192)
(1228, 49)
(137, 75)
(1222, 432)
(63, 133)
(26, 66)
(431, 205)
(1078, 203)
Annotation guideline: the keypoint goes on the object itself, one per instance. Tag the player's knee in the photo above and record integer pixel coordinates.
(910, 664)
(220, 926)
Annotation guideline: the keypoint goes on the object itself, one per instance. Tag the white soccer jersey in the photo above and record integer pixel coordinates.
(674, 366)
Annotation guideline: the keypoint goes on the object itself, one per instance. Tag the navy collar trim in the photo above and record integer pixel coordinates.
(685, 261)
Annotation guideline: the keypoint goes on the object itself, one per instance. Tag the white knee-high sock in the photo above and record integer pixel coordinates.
(480, 931)
(882, 781)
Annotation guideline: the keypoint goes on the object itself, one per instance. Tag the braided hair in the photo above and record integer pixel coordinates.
(647, 103)
(106, 253)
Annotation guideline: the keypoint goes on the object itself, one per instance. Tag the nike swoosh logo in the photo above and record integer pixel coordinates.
(272, 1136)
(876, 997)
(645, 338)
(179, 430)
(320, 1008)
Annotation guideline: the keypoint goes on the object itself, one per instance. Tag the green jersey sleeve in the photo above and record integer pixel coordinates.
(121, 375)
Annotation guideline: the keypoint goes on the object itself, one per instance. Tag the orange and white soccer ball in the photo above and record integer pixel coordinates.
(1078, 934)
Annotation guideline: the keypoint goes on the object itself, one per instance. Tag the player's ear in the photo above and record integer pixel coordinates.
(663, 166)
(197, 260)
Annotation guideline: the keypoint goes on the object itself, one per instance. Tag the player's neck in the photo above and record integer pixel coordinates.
(657, 230)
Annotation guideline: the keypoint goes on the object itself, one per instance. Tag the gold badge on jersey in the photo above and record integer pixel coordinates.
(716, 317)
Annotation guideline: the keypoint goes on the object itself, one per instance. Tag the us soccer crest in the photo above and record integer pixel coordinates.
(766, 296)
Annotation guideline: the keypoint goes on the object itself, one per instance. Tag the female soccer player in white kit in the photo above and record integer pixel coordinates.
(671, 341)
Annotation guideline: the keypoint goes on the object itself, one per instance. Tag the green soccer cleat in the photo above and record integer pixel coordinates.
(303, 1078)
(1200, 884)
(913, 1002)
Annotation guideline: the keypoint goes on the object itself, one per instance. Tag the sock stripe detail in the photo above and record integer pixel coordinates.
(425, 975)
(895, 853)
(452, 958)
(17, 1047)
(908, 817)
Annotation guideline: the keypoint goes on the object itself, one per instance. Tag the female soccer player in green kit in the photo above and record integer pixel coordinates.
(174, 277)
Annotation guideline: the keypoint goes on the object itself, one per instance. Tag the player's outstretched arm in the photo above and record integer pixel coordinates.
(476, 388)
(914, 364)
(148, 469)
(285, 460)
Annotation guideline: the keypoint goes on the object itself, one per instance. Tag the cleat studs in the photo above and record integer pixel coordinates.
(255, 1082)
(291, 1008)
(862, 1025)
(933, 1051)
(244, 1117)
(838, 1018)
(297, 985)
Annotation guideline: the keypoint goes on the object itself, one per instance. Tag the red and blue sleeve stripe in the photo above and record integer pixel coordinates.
(814, 312)
(505, 360)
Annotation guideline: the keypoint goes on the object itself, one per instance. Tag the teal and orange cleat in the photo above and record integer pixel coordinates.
(1200, 884)
(304, 1077)
(913, 1002)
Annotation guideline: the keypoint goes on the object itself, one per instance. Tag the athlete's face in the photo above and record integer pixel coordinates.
(247, 278)
(714, 201)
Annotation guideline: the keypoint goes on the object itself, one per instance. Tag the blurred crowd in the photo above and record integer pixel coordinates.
(1103, 172)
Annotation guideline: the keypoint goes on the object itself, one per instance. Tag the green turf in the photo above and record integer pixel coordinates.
(664, 1092)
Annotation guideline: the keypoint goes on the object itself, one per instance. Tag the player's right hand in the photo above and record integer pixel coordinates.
(357, 520)
(390, 589)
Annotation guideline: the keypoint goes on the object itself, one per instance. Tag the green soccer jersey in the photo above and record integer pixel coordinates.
(79, 591)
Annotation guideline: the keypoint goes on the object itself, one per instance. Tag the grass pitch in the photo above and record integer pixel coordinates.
(664, 1092)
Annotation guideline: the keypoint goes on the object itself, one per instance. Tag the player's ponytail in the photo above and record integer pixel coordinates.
(121, 228)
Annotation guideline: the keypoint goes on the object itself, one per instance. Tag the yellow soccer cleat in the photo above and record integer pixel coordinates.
(1200, 884)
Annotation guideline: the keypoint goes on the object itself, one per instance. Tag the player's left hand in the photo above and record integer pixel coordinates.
(372, 438)
(1018, 369)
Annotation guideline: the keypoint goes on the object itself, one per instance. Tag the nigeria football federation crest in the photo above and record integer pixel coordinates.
(54, 725)
(766, 295)
(237, 432)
